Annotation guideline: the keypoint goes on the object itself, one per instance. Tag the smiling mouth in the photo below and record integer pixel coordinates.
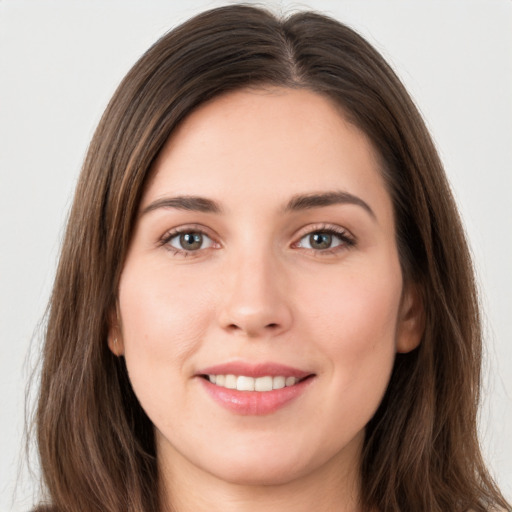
(250, 389)
(262, 384)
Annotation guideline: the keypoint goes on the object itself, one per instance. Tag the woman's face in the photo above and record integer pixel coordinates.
(264, 255)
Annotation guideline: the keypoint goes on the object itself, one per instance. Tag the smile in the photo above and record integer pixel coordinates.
(245, 383)
(254, 389)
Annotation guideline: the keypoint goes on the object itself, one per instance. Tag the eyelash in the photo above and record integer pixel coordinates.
(347, 241)
(197, 230)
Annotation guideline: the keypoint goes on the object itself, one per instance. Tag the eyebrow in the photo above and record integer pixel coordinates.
(297, 203)
(319, 200)
(190, 203)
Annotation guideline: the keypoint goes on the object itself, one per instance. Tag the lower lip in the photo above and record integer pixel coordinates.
(255, 403)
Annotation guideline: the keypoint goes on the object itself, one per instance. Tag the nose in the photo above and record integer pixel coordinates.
(257, 299)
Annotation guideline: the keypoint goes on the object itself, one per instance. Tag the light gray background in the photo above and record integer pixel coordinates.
(60, 62)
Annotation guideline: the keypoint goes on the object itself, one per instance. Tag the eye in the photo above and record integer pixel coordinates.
(189, 241)
(325, 240)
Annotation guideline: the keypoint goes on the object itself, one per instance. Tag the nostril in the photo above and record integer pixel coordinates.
(254, 328)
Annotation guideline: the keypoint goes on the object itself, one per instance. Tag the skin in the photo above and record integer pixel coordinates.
(257, 291)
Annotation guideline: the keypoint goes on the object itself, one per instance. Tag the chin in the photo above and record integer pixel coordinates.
(258, 474)
(256, 463)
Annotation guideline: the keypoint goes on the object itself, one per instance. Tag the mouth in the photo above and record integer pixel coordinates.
(249, 389)
(260, 384)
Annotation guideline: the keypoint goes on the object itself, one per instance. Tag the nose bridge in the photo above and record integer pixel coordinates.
(256, 300)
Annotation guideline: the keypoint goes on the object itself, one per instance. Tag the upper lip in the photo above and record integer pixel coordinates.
(254, 370)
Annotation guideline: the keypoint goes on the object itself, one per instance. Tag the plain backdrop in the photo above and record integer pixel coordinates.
(60, 62)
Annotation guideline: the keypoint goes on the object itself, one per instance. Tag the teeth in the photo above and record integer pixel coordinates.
(263, 384)
(290, 381)
(230, 382)
(244, 383)
(279, 382)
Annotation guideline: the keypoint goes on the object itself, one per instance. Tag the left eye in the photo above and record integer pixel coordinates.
(190, 241)
(321, 240)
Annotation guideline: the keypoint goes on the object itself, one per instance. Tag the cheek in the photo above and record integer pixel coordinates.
(354, 323)
(162, 318)
(163, 322)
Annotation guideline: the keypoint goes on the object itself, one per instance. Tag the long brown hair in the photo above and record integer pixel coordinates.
(96, 444)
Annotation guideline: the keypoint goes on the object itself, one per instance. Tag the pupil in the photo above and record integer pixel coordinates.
(320, 240)
(191, 241)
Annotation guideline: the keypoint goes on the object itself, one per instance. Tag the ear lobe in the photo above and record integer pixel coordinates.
(115, 344)
(115, 337)
(411, 319)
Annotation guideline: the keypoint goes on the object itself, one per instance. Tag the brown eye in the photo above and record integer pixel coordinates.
(320, 240)
(190, 241)
(324, 240)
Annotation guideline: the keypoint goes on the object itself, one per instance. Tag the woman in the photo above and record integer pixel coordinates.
(264, 298)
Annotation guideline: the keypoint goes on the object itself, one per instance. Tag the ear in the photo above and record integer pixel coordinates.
(115, 335)
(411, 319)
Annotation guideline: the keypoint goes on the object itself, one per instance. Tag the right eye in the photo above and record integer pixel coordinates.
(189, 241)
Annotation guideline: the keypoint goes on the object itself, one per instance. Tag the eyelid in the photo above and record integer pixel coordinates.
(187, 228)
(347, 238)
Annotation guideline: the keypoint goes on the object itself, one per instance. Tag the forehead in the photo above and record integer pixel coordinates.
(267, 144)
